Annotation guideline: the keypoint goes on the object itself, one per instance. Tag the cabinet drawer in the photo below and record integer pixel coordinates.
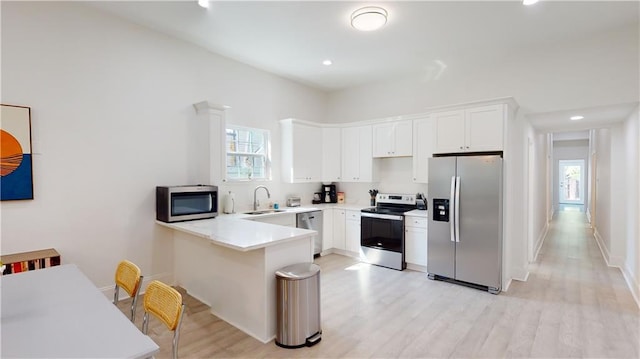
(411, 221)
(352, 215)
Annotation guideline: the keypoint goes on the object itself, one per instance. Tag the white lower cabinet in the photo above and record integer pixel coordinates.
(415, 241)
(352, 230)
(327, 229)
(339, 229)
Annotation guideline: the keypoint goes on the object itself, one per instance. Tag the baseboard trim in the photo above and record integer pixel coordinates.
(540, 241)
(417, 267)
(603, 249)
(505, 288)
(632, 282)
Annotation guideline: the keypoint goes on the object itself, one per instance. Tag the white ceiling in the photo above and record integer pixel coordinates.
(292, 38)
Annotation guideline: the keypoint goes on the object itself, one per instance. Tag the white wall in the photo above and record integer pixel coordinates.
(603, 189)
(598, 70)
(570, 150)
(539, 188)
(618, 198)
(631, 260)
(112, 118)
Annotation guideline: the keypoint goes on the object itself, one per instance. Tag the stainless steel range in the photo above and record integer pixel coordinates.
(382, 230)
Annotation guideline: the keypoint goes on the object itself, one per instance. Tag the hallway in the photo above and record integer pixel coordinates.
(585, 308)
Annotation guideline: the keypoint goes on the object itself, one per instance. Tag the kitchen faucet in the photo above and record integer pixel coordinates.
(255, 200)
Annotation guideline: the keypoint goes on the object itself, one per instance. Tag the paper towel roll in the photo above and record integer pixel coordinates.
(230, 203)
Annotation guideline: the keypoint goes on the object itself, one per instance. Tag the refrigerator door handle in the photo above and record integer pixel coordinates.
(457, 209)
(452, 224)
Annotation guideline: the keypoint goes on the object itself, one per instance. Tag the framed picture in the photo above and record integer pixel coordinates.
(16, 173)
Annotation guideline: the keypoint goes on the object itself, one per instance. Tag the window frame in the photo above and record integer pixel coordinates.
(266, 143)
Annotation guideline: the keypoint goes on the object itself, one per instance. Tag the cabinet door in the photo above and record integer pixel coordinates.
(350, 154)
(383, 140)
(352, 231)
(423, 147)
(327, 229)
(307, 153)
(357, 159)
(403, 138)
(331, 154)
(450, 130)
(339, 229)
(393, 139)
(365, 154)
(415, 242)
(484, 128)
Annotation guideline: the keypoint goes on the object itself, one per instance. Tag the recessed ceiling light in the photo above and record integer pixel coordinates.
(203, 3)
(529, 2)
(327, 62)
(369, 18)
(576, 118)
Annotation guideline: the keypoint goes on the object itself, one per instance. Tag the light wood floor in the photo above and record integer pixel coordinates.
(572, 305)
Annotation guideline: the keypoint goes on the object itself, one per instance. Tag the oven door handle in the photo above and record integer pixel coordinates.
(382, 216)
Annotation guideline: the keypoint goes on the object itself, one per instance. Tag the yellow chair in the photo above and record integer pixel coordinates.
(166, 304)
(128, 278)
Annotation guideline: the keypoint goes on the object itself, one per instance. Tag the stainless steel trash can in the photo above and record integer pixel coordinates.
(298, 305)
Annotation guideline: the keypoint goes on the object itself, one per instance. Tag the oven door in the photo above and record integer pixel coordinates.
(382, 239)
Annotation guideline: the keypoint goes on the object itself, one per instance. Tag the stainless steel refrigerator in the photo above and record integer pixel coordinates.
(465, 220)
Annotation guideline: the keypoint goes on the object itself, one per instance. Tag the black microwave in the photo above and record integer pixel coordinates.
(186, 203)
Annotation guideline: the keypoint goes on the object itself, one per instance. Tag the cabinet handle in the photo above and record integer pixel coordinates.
(467, 147)
(461, 147)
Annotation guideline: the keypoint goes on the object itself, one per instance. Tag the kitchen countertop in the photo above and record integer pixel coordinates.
(417, 213)
(236, 232)
(232, 231)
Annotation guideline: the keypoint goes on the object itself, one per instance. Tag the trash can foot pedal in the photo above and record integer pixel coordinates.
(314, 339)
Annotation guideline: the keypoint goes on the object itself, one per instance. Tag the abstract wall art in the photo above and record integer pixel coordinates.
(16, 174)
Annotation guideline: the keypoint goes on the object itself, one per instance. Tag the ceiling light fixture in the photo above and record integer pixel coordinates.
(369, 18)
(204, 3)
(327, 62)
(576, 118)
(529, 2)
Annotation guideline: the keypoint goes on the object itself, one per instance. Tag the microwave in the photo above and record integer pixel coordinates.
(186, 203)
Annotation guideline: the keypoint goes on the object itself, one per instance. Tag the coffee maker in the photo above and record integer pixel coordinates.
(329, 194)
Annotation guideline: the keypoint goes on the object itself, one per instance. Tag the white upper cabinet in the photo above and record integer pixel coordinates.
(485, 128)
(301, 152)
(331, 154)
(357, 159)
(424, 133)
(470, 130)
(393, 139)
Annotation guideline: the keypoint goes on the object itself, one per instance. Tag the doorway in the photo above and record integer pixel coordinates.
(571, 182)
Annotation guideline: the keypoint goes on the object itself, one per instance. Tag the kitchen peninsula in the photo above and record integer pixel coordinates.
(229, 263)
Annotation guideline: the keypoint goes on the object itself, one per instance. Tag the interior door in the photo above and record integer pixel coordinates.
(571, 181)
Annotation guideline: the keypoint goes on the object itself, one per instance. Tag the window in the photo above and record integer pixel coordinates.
(248, 154)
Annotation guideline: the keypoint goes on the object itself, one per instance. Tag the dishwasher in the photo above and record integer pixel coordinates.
(312, 220)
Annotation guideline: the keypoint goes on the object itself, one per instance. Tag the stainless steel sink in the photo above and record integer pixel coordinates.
(265, 211)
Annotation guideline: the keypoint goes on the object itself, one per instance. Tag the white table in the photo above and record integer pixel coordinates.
(58, 313)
